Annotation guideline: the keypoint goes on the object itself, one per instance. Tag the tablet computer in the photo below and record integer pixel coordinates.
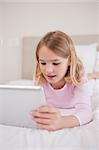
(17, 102)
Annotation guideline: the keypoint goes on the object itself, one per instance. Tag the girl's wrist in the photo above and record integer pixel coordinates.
(63, 122)
(69, 121)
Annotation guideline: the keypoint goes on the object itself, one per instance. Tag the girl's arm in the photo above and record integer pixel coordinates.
(70, 121)
(49, 118)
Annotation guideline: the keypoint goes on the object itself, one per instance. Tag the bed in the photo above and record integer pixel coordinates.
(85, 137)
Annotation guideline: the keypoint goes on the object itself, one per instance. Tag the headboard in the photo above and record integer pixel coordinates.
(29, 46)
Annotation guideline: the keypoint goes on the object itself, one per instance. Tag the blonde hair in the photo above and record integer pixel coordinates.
(62, 45)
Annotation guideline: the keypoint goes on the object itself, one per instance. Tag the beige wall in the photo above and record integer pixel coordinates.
(34, 19)
(98, 20)
(98, 16)
(1, 49)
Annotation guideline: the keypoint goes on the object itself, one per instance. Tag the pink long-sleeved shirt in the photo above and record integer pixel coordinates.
(71, 100)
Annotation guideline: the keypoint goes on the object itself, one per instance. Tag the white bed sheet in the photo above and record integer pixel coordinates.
(85, 137)
(78, 138)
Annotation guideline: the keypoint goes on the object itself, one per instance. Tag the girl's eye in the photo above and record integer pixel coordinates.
(56, 64)
(43, 63)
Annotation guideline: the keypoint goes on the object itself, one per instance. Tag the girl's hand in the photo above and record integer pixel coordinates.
(48, 117)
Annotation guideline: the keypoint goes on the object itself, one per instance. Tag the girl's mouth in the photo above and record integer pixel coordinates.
(50, 77)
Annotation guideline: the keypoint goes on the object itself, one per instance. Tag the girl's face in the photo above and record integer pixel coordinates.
(53, 67)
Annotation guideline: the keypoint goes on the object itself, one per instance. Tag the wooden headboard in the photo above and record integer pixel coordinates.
(29, 46)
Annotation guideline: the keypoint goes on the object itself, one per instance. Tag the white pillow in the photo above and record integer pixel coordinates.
(87, 53)
(20, 82)
(95, 95)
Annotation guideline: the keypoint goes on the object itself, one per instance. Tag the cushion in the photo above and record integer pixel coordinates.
(20, 82)
(95, 95)
(87, 54)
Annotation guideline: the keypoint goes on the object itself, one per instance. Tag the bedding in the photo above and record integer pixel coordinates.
(83, 52)
(78, 138)
(85, 137)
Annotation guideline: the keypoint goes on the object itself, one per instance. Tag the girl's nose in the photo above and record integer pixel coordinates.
(49, 68)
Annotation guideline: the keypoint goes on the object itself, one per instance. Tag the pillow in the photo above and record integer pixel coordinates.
(97, 63)
(87, 54)
(20, 82)
(95, 95)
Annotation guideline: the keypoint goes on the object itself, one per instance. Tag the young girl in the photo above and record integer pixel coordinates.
(62, 76)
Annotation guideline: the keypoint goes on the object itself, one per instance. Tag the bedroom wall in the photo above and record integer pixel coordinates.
(98, 16)
(1, 50)
(37, 18)
(34, 19)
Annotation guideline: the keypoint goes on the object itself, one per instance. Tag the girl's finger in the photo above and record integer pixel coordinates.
(47, 108)
(47, 127)
(44, 115)
(42, 121)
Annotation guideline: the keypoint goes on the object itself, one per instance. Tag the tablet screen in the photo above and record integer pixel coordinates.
(16, 103)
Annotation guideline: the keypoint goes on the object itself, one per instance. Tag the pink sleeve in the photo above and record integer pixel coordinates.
(82, 98)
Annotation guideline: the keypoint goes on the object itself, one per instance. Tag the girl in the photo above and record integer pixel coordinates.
(61, 74)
